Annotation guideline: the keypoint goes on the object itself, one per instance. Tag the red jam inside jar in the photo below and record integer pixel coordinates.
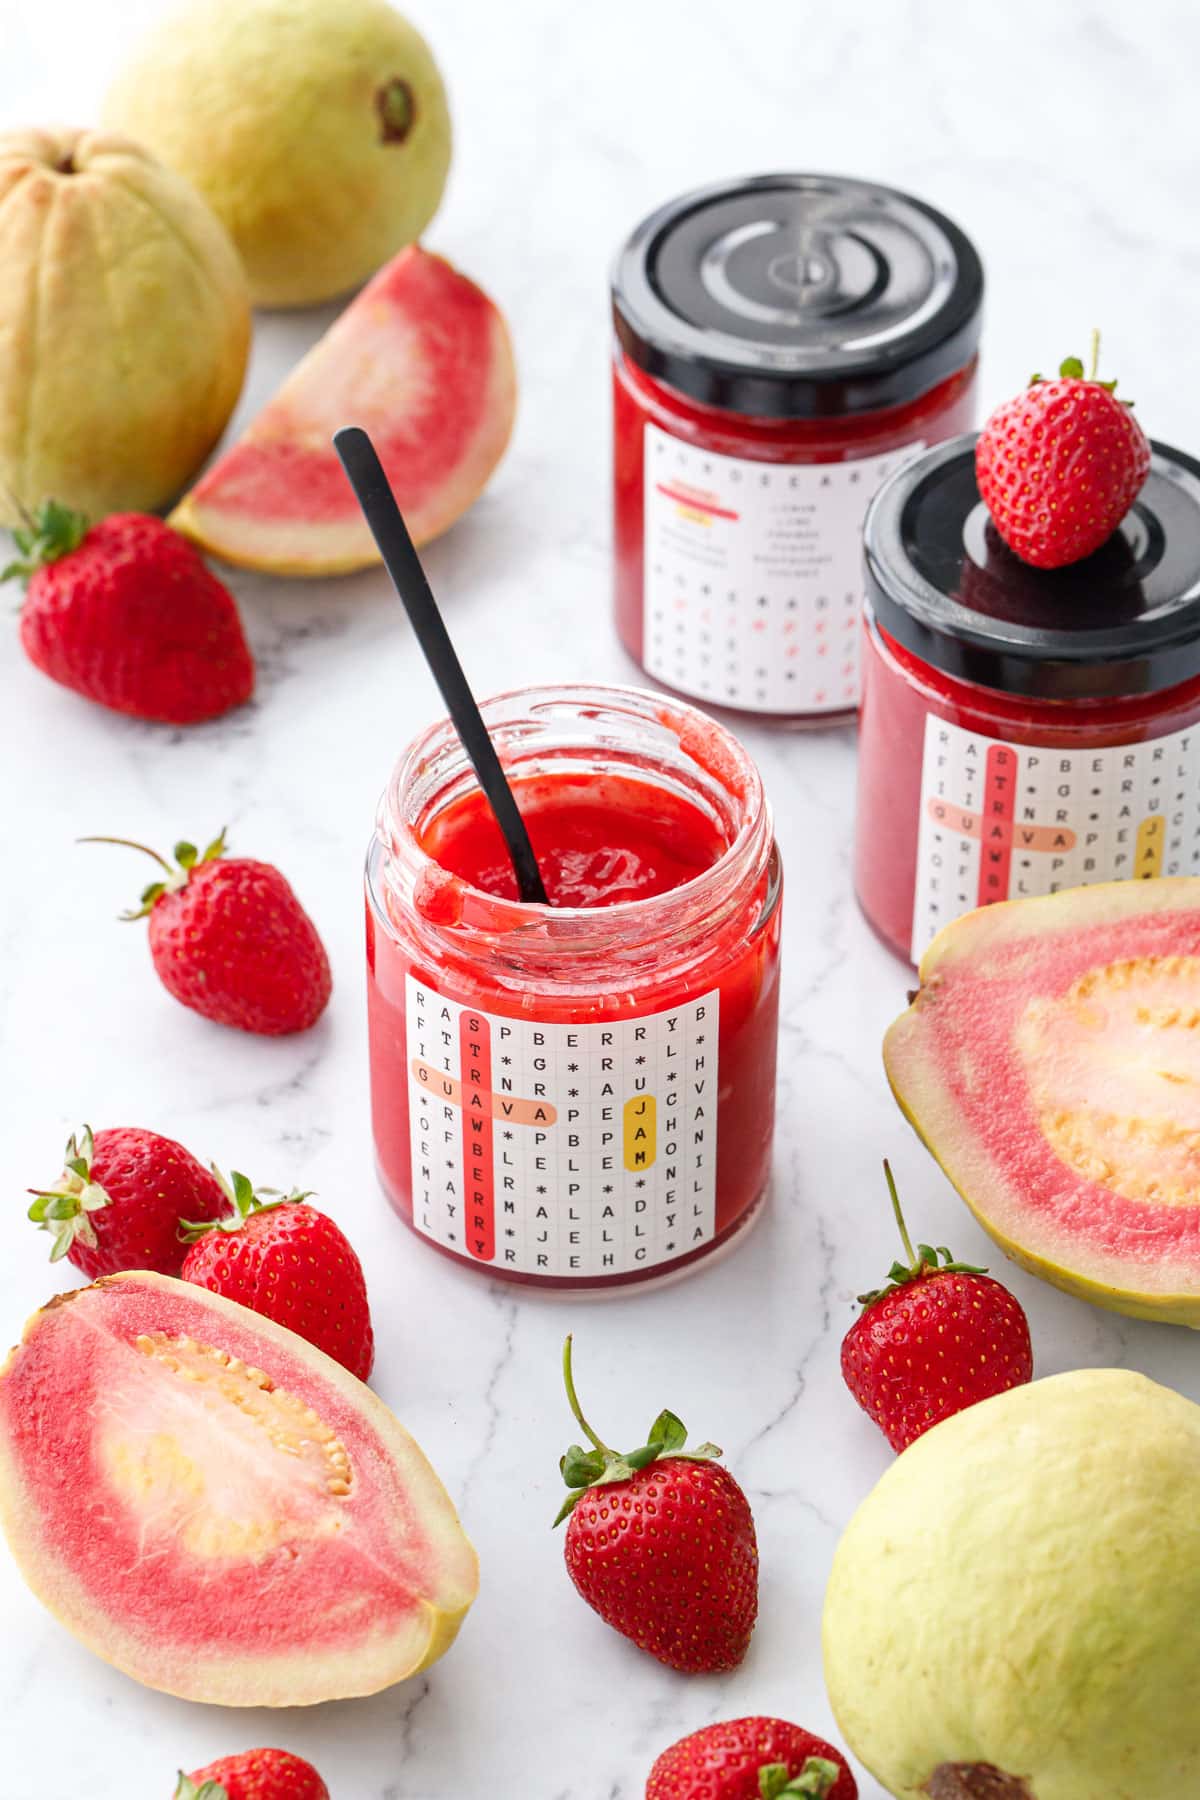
(1023, 730)
(782, 346)
(580, 1095)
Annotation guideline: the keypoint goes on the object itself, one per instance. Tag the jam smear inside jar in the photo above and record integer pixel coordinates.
(782, 345)
(580, 1095)
(1023, 730)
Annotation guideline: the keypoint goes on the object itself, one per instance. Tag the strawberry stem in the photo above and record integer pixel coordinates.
(1094, 368)
(577, 1410)
(924, 1260)
(186, 857)
(813, 1782)
(897, 1209)
(129, 844)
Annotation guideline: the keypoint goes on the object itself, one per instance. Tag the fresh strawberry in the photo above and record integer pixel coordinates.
(254, 1775)
(1060, 466)
(284, 1259)
(940, 1336)
(120, 1200)
(229, 938)
(751, 1759)
(128, 614)
(661, 1543)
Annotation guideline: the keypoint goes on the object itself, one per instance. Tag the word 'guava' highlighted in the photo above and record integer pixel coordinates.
(216, 1507)
(422, 360)
(1051, 1063)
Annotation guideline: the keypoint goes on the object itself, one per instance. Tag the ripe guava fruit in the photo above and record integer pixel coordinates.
(1051, 1062)
(126, 326)
(421, 359)
(1014, 1612)
(216, 1507)
(317, 130)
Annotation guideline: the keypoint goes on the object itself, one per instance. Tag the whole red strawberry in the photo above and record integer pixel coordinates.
(751, 1759)
(230, 939)
(661, 1544)
(120, 1200)
(940, 1336)
(128, 614)
(284, 1259)
(1060, 466)
(254, 1775)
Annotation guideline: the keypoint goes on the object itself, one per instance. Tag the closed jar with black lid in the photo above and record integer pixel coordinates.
(1023, 730)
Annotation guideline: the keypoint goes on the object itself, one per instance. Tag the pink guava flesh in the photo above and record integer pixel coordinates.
(216, 1507)
(1051, 1062)
(422, 360)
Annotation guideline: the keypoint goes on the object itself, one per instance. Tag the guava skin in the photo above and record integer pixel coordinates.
(1019, 1599)
(126, 326)
(317, 130)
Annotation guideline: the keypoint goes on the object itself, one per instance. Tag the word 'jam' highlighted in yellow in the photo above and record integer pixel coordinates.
(641, 1131)
(1150, 839)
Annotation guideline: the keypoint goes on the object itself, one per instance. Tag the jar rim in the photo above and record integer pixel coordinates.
(514, 717)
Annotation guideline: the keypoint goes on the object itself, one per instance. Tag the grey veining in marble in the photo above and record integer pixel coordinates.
(1062, 138)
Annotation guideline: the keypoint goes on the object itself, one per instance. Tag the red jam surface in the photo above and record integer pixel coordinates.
(639, 401)
(900, 691)
(600, 842)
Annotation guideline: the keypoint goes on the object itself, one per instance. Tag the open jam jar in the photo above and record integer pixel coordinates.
(580, 1095)
(782, 345)
(1023, 730)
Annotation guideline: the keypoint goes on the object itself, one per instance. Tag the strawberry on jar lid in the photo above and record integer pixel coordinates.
(1060, 465)
(945, 586)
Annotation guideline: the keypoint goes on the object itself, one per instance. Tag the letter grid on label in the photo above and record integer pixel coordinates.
(563, 1150)
(1000, 821)
(753, 586)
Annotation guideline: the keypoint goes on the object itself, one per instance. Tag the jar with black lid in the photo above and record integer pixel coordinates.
(782, 344)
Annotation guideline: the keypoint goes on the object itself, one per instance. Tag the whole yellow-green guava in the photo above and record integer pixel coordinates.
(317, 130)
(124, 325)
(1014, 1611)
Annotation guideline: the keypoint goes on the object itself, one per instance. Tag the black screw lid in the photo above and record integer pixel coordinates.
(798, 296)
(1125, 620)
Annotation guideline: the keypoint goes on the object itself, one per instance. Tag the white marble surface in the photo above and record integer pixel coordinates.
(1061, 138)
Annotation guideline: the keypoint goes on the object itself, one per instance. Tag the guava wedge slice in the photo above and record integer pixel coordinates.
(422, 360)
(217, 1508)
(1051, 1062)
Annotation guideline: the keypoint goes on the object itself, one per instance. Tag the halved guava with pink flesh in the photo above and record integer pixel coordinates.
(1051, 1063)
(422, 360)
(217, 1508)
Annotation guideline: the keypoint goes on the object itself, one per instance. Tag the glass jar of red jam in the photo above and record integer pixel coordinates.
(782, 345)
(580, 1095)
(1023, 730)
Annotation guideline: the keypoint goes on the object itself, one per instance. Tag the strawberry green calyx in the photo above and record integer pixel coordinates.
(64, 1210)
(46, 536)
(812, 1783)
(208, 1790)
(600, 1467)
(1071, 369)
(187, 858)
(244, 1199)
(924, 1261)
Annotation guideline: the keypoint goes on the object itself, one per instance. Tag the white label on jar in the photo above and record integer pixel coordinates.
(999, 821)
(753, 587)
(563, 1150)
